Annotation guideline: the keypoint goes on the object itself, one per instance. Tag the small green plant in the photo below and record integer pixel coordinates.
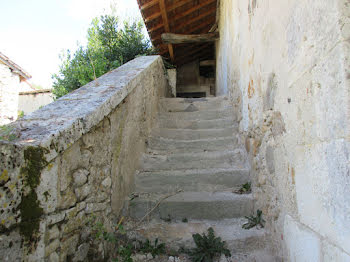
(185, 220)
(125, 253)
(7, 133)
(20, 114)
(245, 188)
(155, 249)
(125, 247)
(254, 221)
(208, 247)
(167, 219)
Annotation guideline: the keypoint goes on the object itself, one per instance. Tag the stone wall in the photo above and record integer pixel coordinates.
(30, 101)
(9, 88)
(73, 162)
(285, 65)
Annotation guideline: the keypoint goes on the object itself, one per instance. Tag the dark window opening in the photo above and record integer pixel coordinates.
(192, 95)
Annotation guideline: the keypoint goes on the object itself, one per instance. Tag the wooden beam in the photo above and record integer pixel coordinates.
(202, 27)
(155, 28)
(169, 38)
(152, 17)
(166, 26)
(192, 10)
(202, 15)
(178, 4)
(207, 63)
(193, 29)
(149, 4)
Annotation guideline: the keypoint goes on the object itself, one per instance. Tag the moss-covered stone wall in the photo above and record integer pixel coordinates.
(74, 160)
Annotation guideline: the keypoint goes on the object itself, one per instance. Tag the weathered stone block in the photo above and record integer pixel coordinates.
(52, 247)
(81, 253)
(95, 207)
(80, 177)
(55, 218)
(69, 245)
(82, 192)
(53, 233)
(67, 200)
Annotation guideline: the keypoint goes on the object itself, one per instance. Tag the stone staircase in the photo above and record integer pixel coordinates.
(194, 163)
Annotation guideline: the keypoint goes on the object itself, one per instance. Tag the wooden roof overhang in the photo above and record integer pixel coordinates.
(191, 24)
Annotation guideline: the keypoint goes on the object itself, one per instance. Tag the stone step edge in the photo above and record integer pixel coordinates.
(222, 228)
(173, 197)
(196, 170)
(208, 154)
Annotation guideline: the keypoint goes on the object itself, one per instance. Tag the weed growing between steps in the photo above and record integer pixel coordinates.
(254, 221)
(245, 189)
(125, 248)
(208, 247)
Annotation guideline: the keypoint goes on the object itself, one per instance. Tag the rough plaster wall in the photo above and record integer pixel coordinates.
(285, 65)
(30, 102)
(9, 88)
(76, 159)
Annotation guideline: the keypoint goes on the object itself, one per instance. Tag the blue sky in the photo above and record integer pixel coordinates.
(34, 32)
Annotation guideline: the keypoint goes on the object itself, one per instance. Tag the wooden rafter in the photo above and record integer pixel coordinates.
(152, 17)
(178, 4)
(202, 15)
(170, 8)
(149, 4)
(185, 17)
(192, 10)
(210, 20)
(166, 26)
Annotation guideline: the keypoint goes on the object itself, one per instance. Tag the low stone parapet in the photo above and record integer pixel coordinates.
(73, 161)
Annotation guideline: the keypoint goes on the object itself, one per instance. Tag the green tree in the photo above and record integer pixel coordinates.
(108, 47)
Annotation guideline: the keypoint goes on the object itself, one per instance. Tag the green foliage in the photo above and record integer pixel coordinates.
(108, 47)
(155, 249)
(208, 247)
(125, 247)
(7, 133)
(245, 188)
(254, 221)
(20, 114)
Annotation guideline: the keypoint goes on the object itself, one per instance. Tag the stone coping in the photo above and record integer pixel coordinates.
(61, 123)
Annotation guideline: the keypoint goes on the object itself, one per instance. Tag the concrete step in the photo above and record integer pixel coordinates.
(208, 180)
(188, 134)
(178, 234)
(193, 205)
(158, 144)
(190, 104)
(196, 124)
(198, 115)
(200, 160)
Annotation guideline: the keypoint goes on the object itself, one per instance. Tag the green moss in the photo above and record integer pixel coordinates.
(31, 211)
(46, 195)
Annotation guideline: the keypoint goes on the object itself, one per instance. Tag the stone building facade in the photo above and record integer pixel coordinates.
(285, 65)
(11, 76)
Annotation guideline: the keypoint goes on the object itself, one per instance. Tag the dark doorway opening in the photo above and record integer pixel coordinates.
(192, 95)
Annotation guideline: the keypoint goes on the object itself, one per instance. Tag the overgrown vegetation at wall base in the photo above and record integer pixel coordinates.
(108, 47)
(208, 247)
